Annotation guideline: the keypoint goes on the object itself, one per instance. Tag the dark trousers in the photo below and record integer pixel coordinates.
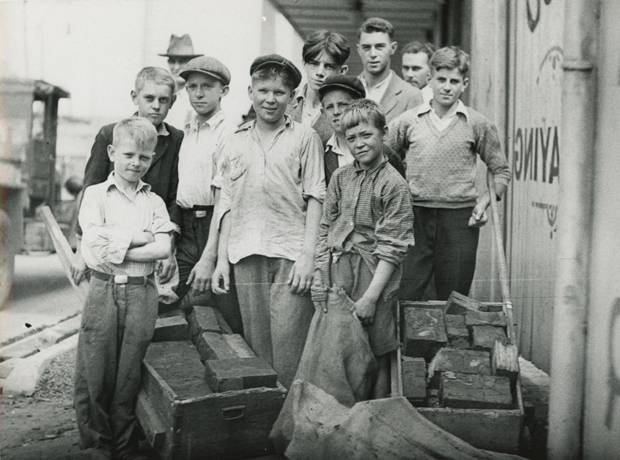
(445, 246)
(117, 326)
(190, 245)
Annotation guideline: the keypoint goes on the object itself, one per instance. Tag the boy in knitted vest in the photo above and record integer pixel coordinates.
(439, 141)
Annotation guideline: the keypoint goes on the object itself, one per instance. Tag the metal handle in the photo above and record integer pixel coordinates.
(233, 412)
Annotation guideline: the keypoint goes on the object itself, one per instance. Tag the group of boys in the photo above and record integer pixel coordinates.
(255, 197)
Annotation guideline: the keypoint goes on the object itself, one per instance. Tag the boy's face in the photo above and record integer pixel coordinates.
(415, 69)
(365, 143)
(205, 93)
(177, 64)
(270, 98)
(447, 86)
(321, 67)
(334, 103)
(376, 50)
(130, 162)
(153, 101)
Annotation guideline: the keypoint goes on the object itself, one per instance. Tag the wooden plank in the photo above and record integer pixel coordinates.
(152, 426)
(414, 380)
(239, 346)
(239, 374)
(458, 334)
(172, 328)
(484, 337)
(425, 332)
(212, 345)
(63, 249)
(477, 318)
(460, 361)
(505, 360)
(459, 304)
(471, 391)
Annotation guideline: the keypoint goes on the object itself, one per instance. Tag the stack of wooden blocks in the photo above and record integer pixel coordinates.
(458, 362)
(205, 394)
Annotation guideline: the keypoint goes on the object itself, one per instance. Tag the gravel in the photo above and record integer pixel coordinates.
(56, 383)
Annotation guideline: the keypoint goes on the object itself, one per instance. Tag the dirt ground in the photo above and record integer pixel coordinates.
(43, 426)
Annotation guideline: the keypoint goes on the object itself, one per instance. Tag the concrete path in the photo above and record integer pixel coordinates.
(42, 297)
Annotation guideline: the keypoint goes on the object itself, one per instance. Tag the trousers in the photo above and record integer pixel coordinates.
(117, 326)
(445, 245)
(275, 321)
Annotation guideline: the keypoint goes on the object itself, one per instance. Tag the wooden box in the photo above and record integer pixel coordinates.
(184, 419)
(496, 430)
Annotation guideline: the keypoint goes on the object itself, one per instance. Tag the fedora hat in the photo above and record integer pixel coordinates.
(181, 47)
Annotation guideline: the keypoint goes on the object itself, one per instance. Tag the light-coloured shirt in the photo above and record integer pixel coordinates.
(344, 156)
(376, 92)
(427, 93)
(109, 219)
(181, 111)
(198, 159)
(442, 123)
(266, 189)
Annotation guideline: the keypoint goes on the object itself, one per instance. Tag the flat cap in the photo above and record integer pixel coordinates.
(208, 66)
(276, 59)
(346, 82)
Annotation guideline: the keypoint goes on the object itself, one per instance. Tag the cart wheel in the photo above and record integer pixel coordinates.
(525, 443)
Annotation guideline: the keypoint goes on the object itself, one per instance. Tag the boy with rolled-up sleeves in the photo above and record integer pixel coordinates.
(270, 208)
(126, 230)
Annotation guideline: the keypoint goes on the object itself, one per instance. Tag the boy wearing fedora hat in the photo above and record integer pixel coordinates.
(336, 94)
(270, 208)
(180, 52)
(197, 196)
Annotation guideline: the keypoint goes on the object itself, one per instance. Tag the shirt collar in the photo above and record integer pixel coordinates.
(212, 122)
(333, 144)
(385, 82)
(111, 181)
(288, 123)
(373, 171)
(425, 107)
(300, 96)
(161, 130)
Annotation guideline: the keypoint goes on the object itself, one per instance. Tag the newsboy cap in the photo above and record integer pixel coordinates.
(346, 82)
(276, 59)
(208, 66)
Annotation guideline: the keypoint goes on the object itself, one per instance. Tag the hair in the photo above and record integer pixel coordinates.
(419, 47)
(332, 43)
(139, 130)
(156, 75)
(450, 58)
(273, 71)
(362, 111)
(371, 25)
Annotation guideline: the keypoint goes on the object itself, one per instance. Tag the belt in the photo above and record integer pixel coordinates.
(199, 211)
(124, 279)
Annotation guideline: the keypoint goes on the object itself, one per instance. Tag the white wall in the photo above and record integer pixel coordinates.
(94, 48)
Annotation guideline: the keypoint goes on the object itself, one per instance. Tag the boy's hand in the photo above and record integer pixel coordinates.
(165, 269)
(365, 309)
(220, 281)
(200, 276)
(302, 273)
(78, 268)
(478, 216)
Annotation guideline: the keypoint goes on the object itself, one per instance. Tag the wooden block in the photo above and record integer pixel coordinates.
(472, 391)
(154, 429)
(212, 345)
(202, 319)
(173, 328)
(222, 322)
(458, 334)
(239, 374)
(458, 304)
(478, 318)
(425, 332)
(460, 361)
(505, 360)
(414, 379)
(484, 337)
(239, 346)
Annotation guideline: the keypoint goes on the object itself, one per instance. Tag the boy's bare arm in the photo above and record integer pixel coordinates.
(140, 239)
(220, 282)
(366, 307)
(302, 272)
(157, 250)
(478, 215)
(200, 276)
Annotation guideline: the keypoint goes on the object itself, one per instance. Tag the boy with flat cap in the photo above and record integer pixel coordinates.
(336, 94)
(270, 208)
(180, 52)
(198, 194)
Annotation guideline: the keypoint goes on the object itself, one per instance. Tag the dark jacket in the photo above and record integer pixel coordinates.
(163, 175)
(331, 161)
(399, 97)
